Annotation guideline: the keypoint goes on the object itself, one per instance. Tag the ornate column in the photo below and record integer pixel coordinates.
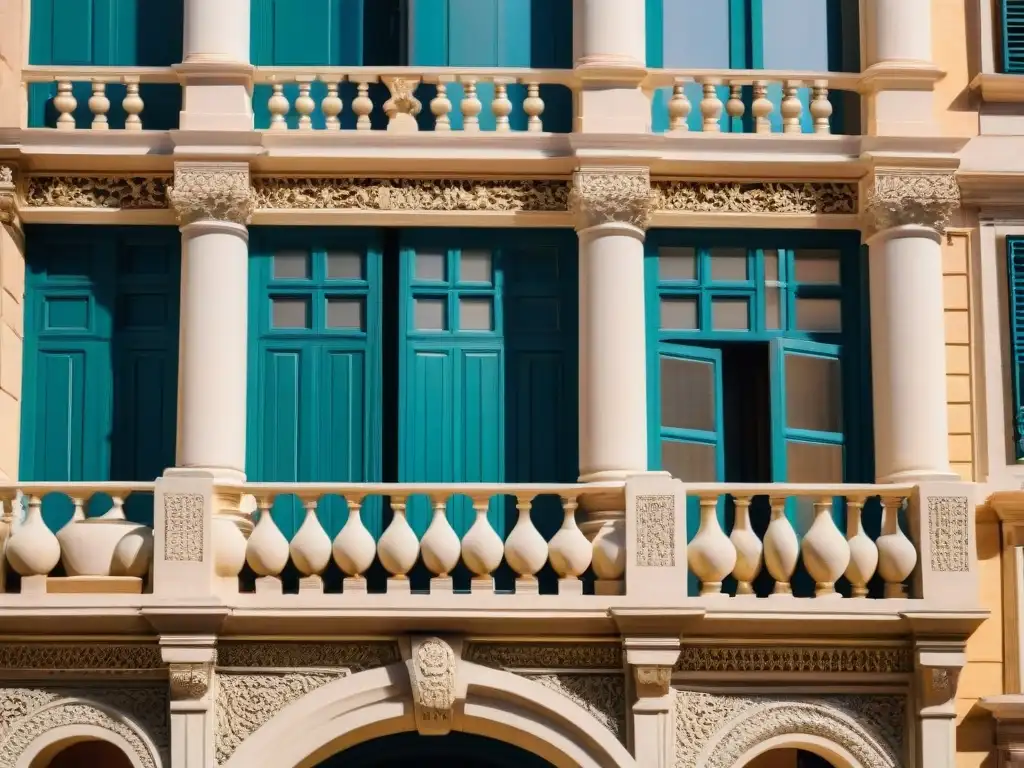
(905, 214)
(191, 660)
(938, 664)
(612, 206)
(653, 734)
(610, 48)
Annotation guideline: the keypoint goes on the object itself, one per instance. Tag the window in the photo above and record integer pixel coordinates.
(1015, 281)
(1012, 20)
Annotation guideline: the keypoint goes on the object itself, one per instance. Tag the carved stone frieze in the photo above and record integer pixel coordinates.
(716, 730)
(190, 682)
(948, 533)
(611, 194)
(354, 657)
(656, 531)
(137, 714)
(700, 658)
(603, 696)
(758, 197)
(69, 658)
(895, 198)
(119, 192)
(432, 675)
(498, 195)
(183, 526)
(212, 192)
(537, 656)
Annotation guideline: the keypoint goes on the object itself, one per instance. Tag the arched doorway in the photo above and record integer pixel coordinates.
(456, 750)
(86, 754)
(789, 758)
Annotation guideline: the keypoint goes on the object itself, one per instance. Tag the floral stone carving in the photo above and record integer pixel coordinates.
(537, 656)
(897, 198)
(949, 533)
(212, 192)
(603, 696)
(814, 659)
(758, 197)
(183, 526)
(655, 531)
(432, 674)
(97, 658)
(607, 195)
(118, 192)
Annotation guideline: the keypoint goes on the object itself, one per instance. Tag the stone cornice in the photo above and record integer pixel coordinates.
(897, 197)
(606, 195)
(212, 192)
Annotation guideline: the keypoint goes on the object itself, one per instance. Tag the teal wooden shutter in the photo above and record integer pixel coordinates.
(1012, 18)
(1015, 262)
(106, 33)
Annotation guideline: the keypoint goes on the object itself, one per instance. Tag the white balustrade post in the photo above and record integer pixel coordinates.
(612, 207)
(905, 213)
(216, 72)
(610, 47)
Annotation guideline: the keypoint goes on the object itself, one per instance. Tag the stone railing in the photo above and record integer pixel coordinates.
(410, 99)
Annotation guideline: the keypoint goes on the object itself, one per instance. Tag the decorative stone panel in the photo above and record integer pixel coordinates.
(603, 696)
(21, 660)
(899, 197)
(758, 197)
(183, 526)
(814, 659)
(656, 531)
(128, 193)
(948, 533)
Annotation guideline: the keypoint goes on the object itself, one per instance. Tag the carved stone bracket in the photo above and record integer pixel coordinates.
(8, 197)
(212, 192)
(939, 664)
(608, 195)
(896, 198)
(652, 682)
(432, 674)
(190, 682)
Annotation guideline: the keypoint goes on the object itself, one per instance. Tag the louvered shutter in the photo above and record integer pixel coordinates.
(1013, 36)
(1015, 260)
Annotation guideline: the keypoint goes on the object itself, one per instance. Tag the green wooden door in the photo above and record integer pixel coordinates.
(101, 354)
(314, 399)
(106, 33)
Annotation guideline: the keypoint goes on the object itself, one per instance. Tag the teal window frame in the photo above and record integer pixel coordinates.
(1011, 28)
(1015, 285)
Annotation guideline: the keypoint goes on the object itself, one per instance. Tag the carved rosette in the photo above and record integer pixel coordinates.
(611, 195)
(899, 198)
(212, 192)
(432, 673)
(190, 682)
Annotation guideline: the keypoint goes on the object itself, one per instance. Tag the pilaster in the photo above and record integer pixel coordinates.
(938, 664)
(651, 660)
(191, 677)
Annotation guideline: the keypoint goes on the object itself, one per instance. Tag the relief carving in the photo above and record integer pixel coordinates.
(190, 682)
(794, 659)
(126, 193)
(8, 197)
(610, 195)
(432, 674)
(183, 527)
(97, 659)
(354, 657)
(212, 192)
(656, 531)
(898, 197)
(948, 533)
(603, 696)
(546, 655)
(758, 197)
(652, 681)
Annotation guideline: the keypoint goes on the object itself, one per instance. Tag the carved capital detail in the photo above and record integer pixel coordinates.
(190, 682)
(610, 195)
(8, 196)
(652, 682)
(212, 192)
(895, 198)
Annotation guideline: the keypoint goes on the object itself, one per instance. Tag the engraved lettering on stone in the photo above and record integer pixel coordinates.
(948, 533)
(212, 192)
(432, 673)
(603, 696)
(183, 527)
(794, 659)
(899, 197)
(656, 531)
(546, 655)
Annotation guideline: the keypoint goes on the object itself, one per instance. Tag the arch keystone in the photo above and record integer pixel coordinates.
(432, 665)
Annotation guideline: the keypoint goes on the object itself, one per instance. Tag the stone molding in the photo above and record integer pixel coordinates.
(612, 195)
(895, 198)
(796, 659)
(190, 682)
(212, 192)
(544, 656)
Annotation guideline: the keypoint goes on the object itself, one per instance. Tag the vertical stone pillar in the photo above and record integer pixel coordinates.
(905, 213)
(191, 661)
(13, 36)
(612, 206)
(12, 320)
(938, 665)
(651, 660)
(610, 47)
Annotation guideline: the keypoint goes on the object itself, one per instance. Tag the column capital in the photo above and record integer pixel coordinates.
(190, 682)
(612, 195)
(8, 196)
(897, 197)
(212, 192)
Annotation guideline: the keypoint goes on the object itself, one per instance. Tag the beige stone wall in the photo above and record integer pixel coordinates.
(959, 372)
(12, 332)
(953, 106)
(13, 25)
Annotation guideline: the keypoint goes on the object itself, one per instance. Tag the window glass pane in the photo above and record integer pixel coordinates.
(772, 309)
(816, 266)
(771, 266)
(344, 265)
(728, 264)
(679, 314)
(290, 313)
(813, 463)
(475, 267)
(475, 314)
(703, 44)
(795, 35)
(687, 394)
(431, 266)
(814, 393)
(291, 265)
(819, 315)
(430, 314)
(690, 462)
(730, 315)
(345, 313)
(677, 264)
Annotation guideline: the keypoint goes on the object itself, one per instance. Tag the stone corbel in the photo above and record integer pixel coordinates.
(938, 664)
(190, 682)
(899, 197)
(9, 217)
(611, 195)
(190, 660)
(652, 682)
(216, 192)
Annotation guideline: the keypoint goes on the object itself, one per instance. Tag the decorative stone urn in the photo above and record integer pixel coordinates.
(108, 545)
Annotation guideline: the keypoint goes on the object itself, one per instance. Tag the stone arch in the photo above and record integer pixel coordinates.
(379, 702)
(827, 731)
(61, 723)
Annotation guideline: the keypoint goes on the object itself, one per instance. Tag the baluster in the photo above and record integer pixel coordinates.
(501, 106)
(482, 549)
(569, 551)
(304, 103)
(735, 107)
(863, 552)
(440, 107)
(354, 549)
(362, 105)
(711, 556)
(266, 552)
(65, 103)
(781, 548)
(748, 548)
(441, 548)
(132, 104)
(332, 106)
(33, 550)
(761, 108)
(6, 522)
(99, 105)
(278, 106)
(116, 511)
(525, 549)
(79, 513)
(711, 108)
(470, 106)
(398, 547)
(825, 551)
(791, 107)
(607, 533)
(533, 106)
(311, 550)
(821, 108)
(896, 553)
(679, 109)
